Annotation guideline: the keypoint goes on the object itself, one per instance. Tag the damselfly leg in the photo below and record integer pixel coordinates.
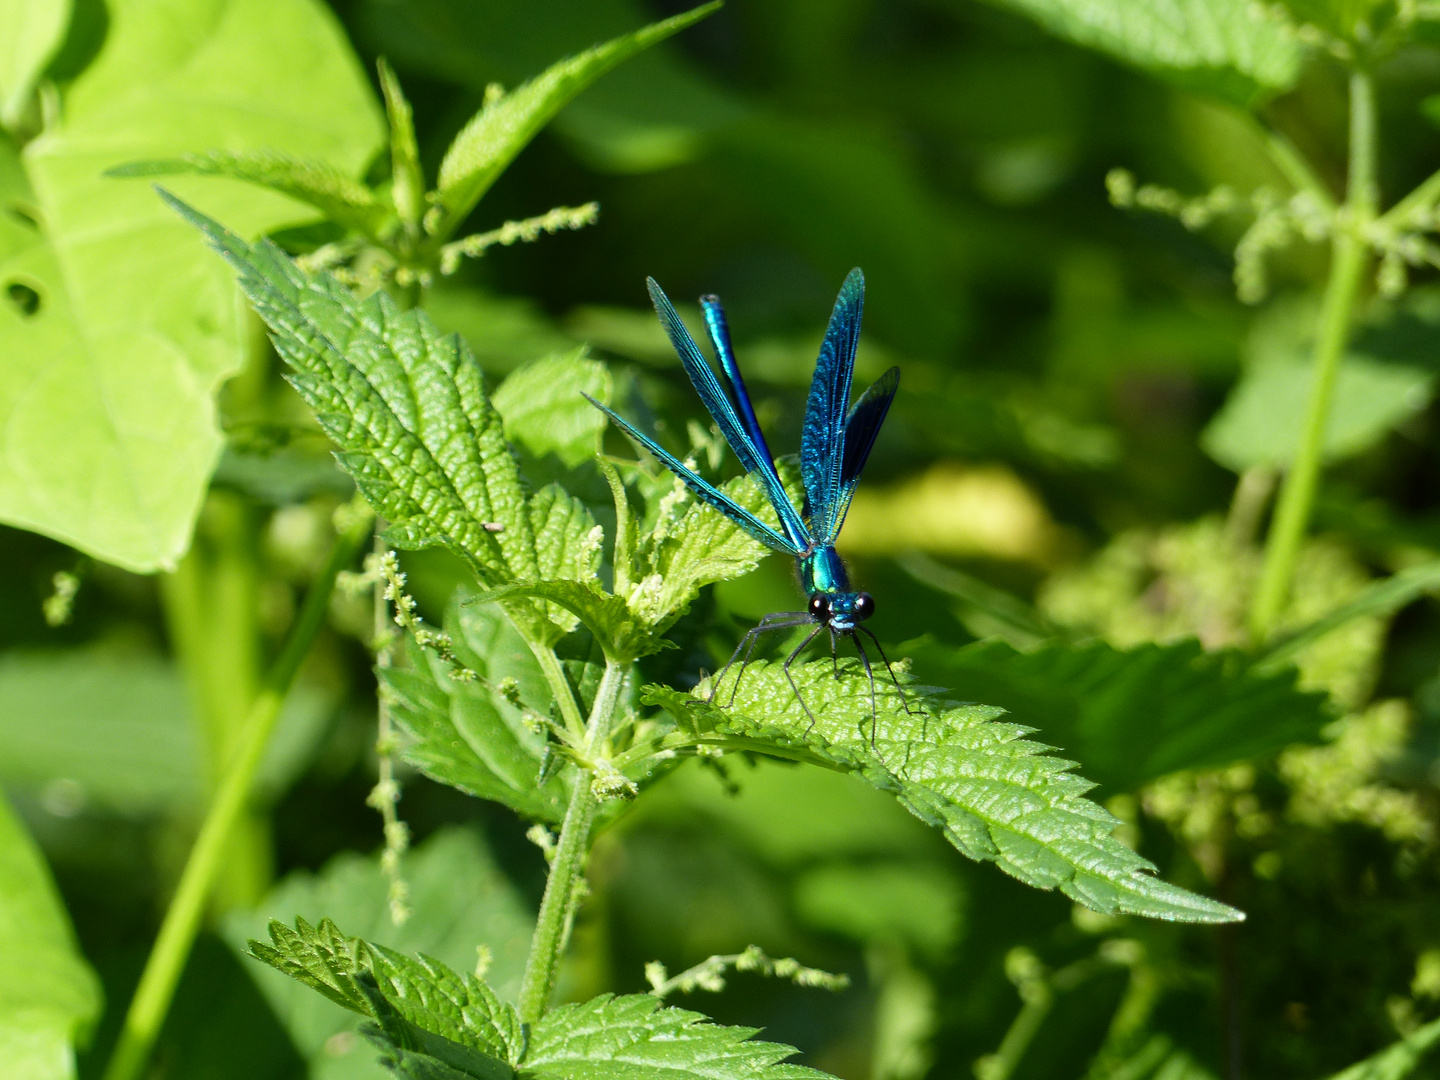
(779, 620)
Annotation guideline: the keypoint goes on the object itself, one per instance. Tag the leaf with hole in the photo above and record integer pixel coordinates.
(106, 390)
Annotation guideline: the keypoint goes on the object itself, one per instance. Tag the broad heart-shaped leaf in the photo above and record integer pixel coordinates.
(545, 411)
(33, 31)
(490, 141)
(49, 996)
(105, 391)
(634, 1037)
(335, 194)
(407, 408)
(1231, 49)
(1132, 716)
(996, 795)
(458, 899)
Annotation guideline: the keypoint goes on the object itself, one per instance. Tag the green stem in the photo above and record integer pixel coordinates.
(559, 688)
(558, 906)
(1347, 265)
(182, 920)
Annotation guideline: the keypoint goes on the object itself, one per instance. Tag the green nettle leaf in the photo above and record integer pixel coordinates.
(407, 408)
(544, 411)
(33, 31)
(339, 197)
(50, 996)
(458, 898)
(997, 796)
(490, 141)
(432, 1023)
(106, 389)
(1233, 49)
(635, 1036)
(466, 734)
(426, 999)
(1132, 716)
(687, 545)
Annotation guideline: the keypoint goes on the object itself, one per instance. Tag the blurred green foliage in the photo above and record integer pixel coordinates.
(1080, 381)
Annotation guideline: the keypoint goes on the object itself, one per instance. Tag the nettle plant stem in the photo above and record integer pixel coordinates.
(182, 919)
(1349, 257)
(562, 890)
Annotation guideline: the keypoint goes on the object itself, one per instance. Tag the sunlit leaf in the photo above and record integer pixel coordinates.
(545, 412)
(634, 1037)
(336, 195)
(1134, 715)
(459, 899)
(408, 409)
(33, 31)
(50, 997)
(124, 325)
(996, 795)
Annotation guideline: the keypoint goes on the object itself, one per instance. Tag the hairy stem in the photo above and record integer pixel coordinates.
(182, 920)
(552, 928)
(1349, 256)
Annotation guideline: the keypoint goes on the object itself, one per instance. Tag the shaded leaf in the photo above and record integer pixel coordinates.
(331, 191)
(1261, 421)
(1231, 49)
(106, 390)
(1398, 1060)
(996, 795)
(1382, 598)
(117, 730)
(1134, 715)
(50, 996)
(464, 733)
(654, 112)
(492, 139)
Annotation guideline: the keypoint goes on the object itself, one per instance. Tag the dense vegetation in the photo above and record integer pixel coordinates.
(348, 654)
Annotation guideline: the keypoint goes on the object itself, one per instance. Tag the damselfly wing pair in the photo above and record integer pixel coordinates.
(835, 443)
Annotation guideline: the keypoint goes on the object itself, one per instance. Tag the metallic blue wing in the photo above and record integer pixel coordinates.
(822, 441)
(704, 491)
(719, 329)
(752, 458)
(861, 426)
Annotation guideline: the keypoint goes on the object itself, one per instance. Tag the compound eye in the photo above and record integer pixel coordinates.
(864, 606)
(820, 607)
